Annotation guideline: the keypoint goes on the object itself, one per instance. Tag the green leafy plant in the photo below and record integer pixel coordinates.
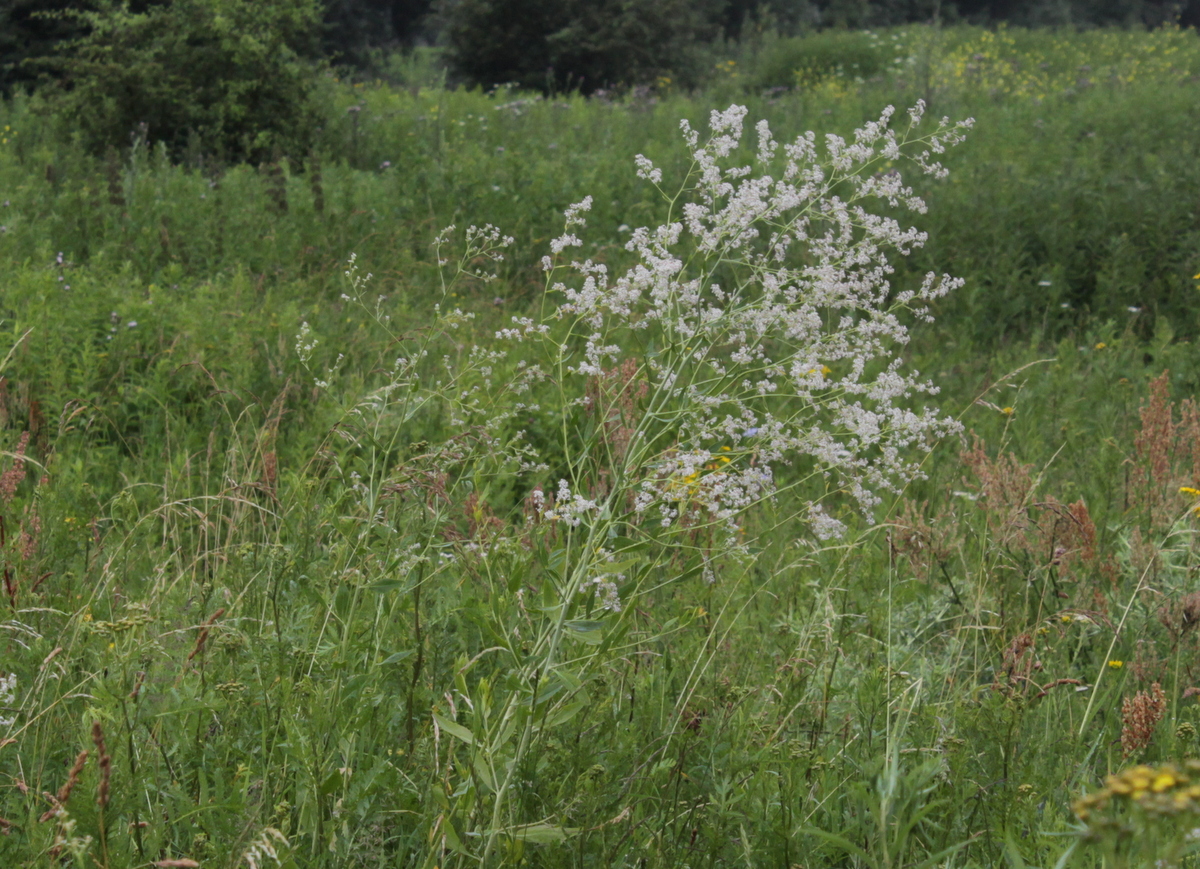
(235, 74)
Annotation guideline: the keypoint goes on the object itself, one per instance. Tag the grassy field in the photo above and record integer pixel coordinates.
(279, 550)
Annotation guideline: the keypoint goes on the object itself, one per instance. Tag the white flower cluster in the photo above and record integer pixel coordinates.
(775, 325)
(607, 592)
(569, 508)
(8, 696)
(604, 584)
(702, 486)
(824, 526)
(306, 343)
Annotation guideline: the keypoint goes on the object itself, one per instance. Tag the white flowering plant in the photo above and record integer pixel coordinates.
(8, 697)
(750, 352)
(763, 321)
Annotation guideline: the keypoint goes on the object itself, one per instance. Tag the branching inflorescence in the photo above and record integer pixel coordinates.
(763, 319)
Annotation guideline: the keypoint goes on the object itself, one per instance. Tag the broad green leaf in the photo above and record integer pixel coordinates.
(541, 834)
(453, 840)
(479, 764)
(397, 657)
(439, 796)
(454, 729)
(565, 714)
(586, 630)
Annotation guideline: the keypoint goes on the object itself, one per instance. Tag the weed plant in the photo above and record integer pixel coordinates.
(284, 587)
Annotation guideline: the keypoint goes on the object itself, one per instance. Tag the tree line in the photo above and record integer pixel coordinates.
(239, 74)
(580, 39)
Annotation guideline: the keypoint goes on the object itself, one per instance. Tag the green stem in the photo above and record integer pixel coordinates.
(1087, 712)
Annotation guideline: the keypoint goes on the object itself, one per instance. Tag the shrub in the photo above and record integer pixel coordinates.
(231, 73)
(806, 59)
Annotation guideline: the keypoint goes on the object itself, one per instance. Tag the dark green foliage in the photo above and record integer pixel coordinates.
(500, 41)
(791, 61)
(29, 29)
(352, 29)
(232, 74)
(1150, 13)
(880, 13)
(552, 45)
(885, 13)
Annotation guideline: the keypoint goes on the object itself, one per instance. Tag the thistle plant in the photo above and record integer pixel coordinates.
(751, 352)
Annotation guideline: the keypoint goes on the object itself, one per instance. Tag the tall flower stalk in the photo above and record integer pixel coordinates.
(751, 352)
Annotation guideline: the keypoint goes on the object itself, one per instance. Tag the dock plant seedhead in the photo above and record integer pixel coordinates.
(765, 320)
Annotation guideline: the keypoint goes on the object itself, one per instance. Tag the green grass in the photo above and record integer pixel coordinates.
(870, 702)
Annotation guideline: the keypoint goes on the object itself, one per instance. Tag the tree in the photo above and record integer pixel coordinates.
(577, 44)
(236, 73)
(29, 29)
(352, 28)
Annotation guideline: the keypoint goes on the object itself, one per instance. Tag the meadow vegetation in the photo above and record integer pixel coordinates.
(333, 538)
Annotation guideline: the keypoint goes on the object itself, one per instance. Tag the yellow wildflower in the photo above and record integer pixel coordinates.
(1116, 664)
(1164, 780)
(1139, 780)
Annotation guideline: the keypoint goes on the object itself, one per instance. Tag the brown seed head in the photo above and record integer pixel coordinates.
(1140, 715)
(105, 762)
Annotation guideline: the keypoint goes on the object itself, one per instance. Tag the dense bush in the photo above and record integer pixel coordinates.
(793, 61)
(234, 74)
